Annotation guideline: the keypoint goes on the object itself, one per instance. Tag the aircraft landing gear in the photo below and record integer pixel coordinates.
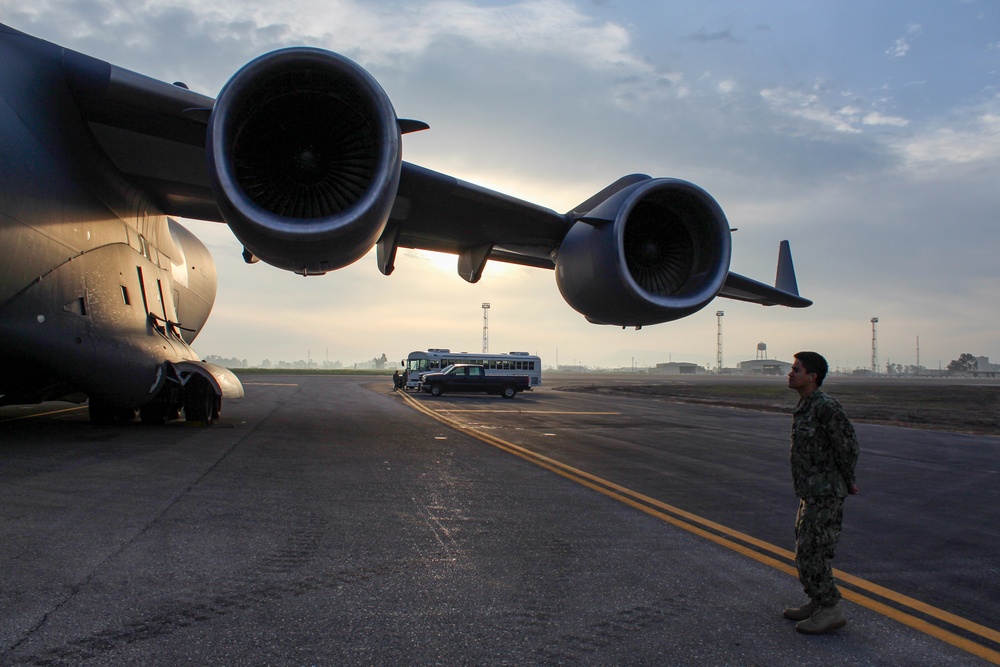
(102, 414)
(199, 401)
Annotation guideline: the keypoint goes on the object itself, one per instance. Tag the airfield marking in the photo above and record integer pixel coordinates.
(44, 414)
(751, 547)
(533, 412)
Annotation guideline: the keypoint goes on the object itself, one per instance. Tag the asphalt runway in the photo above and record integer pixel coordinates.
(327, 520)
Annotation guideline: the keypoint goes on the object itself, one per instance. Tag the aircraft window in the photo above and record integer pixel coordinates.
(125, 298)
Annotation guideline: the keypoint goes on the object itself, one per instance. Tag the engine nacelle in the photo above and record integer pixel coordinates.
(304, 156)
(653, 252)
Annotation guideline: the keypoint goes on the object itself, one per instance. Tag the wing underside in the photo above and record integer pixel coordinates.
(655, 249)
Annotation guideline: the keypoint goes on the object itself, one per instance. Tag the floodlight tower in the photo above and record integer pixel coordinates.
(486, 328)
(875, 345)
(718, 346)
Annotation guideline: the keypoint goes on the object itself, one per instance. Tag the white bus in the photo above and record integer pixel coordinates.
(434, 359)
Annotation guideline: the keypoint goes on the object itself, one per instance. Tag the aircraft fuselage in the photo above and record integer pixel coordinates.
(95, 283)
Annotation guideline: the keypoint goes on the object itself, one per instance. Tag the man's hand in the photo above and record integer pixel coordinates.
(853, 489)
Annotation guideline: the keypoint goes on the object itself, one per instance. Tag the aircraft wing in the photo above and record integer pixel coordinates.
(300, 155)
(153, 131)
(784, 293)
(433, 211)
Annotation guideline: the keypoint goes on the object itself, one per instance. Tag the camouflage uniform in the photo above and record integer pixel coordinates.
(824, 453)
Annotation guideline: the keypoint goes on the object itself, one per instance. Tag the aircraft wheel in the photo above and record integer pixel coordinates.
(199, 401)
(153, 414)
(101, 414)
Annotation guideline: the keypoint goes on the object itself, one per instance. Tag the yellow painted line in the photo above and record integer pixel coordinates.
(529, 412)
(44, 414)
(697, 525)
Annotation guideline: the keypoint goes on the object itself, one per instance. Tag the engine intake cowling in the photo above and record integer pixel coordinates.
(653, 252)
(304, 158)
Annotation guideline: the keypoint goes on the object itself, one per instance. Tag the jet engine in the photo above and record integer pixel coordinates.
(653, 252)
(304, 159)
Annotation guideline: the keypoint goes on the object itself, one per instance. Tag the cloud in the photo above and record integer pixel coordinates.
(876, 118)
(976, 141)
(704, 36)
(810, 106)
(901, 47)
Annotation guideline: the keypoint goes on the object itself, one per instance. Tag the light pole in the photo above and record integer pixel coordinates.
(874, 345)
(486, 328)
(718, 347)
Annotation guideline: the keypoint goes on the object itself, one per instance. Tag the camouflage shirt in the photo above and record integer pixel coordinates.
(824, 447)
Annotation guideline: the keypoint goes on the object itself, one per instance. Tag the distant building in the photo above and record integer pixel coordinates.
(985, 369)
(765, 367)
(678, 368)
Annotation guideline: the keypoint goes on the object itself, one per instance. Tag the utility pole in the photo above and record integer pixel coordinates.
(486, 328)
(718, 347)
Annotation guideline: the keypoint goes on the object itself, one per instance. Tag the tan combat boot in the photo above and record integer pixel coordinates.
(824, 620)
(801, 613)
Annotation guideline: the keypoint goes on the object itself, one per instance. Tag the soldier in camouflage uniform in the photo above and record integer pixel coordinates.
(824, 453)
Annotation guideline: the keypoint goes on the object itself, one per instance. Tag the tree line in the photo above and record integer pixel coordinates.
(378, 363)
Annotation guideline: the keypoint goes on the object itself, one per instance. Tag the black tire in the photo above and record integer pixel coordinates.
(101, 414)
(435, 390)
(509, 391)
(153, 414)
(199, 401)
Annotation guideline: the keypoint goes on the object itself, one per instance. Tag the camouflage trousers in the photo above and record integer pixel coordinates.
(817, 531)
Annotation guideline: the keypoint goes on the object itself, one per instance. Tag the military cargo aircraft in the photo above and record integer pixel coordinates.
(102, 291)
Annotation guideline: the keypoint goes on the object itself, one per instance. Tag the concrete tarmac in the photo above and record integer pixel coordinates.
(326, 520)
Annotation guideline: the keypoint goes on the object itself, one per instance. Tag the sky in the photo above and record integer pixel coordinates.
(865, 133)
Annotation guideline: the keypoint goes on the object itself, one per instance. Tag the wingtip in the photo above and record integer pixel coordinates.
(784, 279)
